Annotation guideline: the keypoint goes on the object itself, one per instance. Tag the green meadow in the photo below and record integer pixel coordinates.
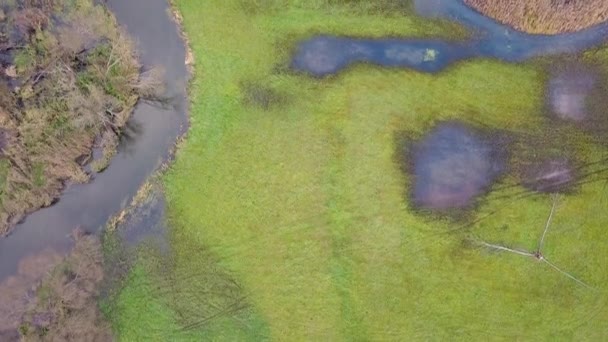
(290, 213)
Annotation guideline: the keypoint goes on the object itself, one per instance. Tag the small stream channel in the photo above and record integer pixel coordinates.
(152, 134)
(326, 55)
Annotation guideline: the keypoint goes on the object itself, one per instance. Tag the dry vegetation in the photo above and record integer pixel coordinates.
(545, 16)
(54, 300)
(66, 307)
(69, 79)
(16, 293)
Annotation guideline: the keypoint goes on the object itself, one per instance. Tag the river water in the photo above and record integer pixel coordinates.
(152, 134)
(90, 205)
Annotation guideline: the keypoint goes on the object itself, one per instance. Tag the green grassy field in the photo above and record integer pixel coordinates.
(289, 186)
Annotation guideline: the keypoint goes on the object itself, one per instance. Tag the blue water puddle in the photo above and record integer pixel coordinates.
(452, 165)
(325, 55)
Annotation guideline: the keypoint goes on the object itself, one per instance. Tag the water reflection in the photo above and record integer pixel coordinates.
(568, 91)
(130, 134)
(452, 166)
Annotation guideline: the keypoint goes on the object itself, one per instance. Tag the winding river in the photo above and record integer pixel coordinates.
(153, 131)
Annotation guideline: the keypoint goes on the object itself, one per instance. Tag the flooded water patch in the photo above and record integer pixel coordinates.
(596, 104)
(452, 165)
(568, 91)
(143, 221)
(575, 98)
(324, 55)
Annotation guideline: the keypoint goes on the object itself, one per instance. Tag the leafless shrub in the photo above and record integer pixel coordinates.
(7, 98)
(16, 296)
(151, 84)
(42, 4)
(108, 144)
(66, 307)
(30, 20)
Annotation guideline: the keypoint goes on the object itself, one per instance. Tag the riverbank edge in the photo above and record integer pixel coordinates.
(152, 183)
(155, 179)
(106, 147)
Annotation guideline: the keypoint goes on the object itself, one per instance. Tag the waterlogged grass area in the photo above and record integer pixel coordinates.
(143, 271)
(290, 206)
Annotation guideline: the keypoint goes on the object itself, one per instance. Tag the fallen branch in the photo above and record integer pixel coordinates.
(538, 253)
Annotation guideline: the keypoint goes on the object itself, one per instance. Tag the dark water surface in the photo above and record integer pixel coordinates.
(325, 55)
(90, 205)
(453, 165)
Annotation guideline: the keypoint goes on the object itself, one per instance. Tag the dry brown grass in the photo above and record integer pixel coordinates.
(80, 79)
(15, 291)
(544, 16)
(65, 307)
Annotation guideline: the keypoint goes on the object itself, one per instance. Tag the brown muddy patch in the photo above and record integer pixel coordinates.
(548, 159)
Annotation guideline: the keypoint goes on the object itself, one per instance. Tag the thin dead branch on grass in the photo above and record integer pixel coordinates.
(537, 254)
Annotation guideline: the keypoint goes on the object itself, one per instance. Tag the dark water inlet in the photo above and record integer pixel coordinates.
(325, 55)
(90, 205)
